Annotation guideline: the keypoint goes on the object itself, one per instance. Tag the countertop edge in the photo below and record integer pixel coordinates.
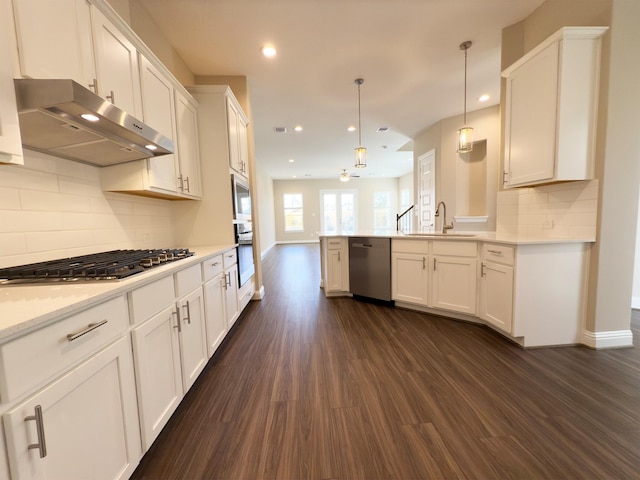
(77, 297)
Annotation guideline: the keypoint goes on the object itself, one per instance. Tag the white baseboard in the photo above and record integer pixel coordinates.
(287, 242)
(258, 294)
(266, 250)
(612, 339)
(635, 302)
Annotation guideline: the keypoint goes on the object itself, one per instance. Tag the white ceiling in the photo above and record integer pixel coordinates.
(407, 51)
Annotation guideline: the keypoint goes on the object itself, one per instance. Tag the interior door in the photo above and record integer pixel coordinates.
(338, 210)
(427, 189)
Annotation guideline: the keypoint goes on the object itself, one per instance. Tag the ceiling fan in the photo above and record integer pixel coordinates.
(345, 176)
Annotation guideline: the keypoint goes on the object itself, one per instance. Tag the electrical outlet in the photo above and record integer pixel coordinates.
(547, 225)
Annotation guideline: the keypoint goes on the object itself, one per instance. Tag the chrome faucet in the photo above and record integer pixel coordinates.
(445, 227)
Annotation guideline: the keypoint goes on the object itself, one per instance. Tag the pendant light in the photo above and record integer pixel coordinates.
(465, 134)
(361, 152)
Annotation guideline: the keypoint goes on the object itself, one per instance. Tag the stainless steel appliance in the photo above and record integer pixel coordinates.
(370, 267)
(63, 118)
(241, 199)
(112, 265)
(244, 239)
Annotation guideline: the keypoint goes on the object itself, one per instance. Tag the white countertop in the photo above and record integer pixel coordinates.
(457, 236)
(25, 307)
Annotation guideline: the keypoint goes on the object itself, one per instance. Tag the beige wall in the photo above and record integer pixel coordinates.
(617, 145)
(454, 172)
(310, 190)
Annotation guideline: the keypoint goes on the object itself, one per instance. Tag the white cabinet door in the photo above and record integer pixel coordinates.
(231, 295)
(159, 379)
(410, 278)
(10, 140)
(214, 300)
(89, 423)
(116, 65)
(238, 147)
(335, 276)
(159, 113)
(187, 146)
(193, 335)
(54, 39)
(530, 134)
(453, 284)
(496, 295)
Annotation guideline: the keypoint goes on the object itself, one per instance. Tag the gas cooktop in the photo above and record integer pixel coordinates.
(112, 265)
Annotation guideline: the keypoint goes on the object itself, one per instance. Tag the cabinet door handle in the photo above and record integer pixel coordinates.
(505, 175)
(482, 265)
(188, 317)
(495, 252)
(92, 326)
(338, 255)
(42, 444)
(424, 262)
(112, 97)
(181, 187)
(186, 180)
(227, 277)
(434, 263)
(94, 85)
(177, 325)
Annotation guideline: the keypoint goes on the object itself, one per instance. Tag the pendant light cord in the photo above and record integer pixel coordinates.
(465, 85)
(359, 82)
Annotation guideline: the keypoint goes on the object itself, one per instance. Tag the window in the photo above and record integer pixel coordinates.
(382, 210)
(293, 212)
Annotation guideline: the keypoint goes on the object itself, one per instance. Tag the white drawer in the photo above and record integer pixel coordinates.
(334, 243)
(188, 279)
(212, 267)
(31, 360)
(145, 302)
(229, 258)
(498, 253)
(410, 246)
(455, 248)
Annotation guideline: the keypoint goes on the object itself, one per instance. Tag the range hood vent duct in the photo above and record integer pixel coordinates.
(50, 114)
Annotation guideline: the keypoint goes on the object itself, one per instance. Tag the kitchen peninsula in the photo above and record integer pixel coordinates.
(531, 290)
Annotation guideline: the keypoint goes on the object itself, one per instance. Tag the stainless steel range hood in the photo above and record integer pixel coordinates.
(55, 117)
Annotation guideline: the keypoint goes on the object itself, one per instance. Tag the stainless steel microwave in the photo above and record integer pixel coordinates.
(241, 199)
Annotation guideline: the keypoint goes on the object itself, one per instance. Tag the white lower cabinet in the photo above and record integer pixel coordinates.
(193, 346)
(410, 271)
(496, 286)
(335, 271)
(159, 378)
(83, 425)
(232, 308)
(215, 314)
(454, 276)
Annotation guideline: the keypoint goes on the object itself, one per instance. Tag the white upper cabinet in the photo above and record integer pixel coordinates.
(116, 65)
(187, 146)
(10, 142)
(551, 109)
(237, 127)
(159, 113)
(54, 39)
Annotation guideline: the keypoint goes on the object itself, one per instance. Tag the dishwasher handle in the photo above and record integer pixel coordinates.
(362, 245)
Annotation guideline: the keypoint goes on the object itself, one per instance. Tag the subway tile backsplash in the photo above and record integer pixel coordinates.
(565, 210)
(53, 208)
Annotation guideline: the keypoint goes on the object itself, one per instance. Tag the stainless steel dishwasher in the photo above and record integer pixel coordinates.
(370, 267)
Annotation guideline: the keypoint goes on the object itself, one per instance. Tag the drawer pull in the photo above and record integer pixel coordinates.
(495, 252)
(42, 444)
(92, 326)
(215, 264)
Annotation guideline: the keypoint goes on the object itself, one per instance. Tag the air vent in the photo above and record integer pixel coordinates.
(382, 129)
(280, 129)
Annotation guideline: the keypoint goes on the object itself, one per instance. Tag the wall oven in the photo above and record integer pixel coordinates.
(243, 228)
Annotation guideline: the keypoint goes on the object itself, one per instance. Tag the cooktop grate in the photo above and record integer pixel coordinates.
(112, 265)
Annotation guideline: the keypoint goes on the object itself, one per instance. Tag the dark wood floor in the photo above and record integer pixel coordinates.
(312, 388)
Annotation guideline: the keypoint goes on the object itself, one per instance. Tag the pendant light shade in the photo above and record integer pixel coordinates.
(360, 151)
(465, 134)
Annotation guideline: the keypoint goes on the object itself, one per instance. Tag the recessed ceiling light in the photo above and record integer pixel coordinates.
(269, 51)
(298, 128)
(351, 128)
(291, 160)
(294, 176)
(484, 98)
(90, 117)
